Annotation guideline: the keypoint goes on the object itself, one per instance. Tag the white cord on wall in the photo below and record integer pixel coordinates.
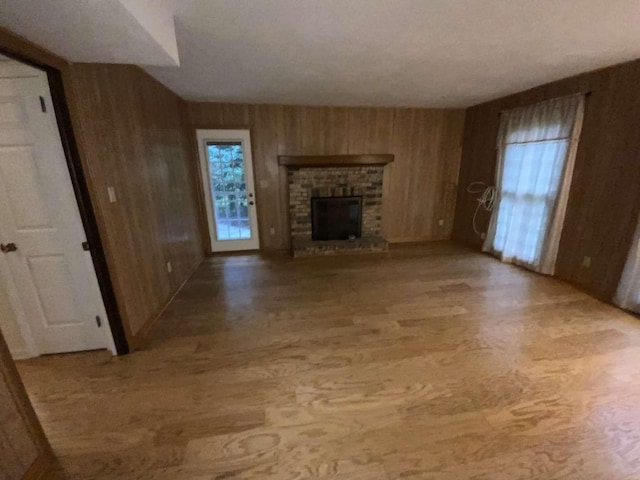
(487, 200)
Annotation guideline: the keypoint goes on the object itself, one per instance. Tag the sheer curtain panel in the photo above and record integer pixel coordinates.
(628, 295)
(536, 147)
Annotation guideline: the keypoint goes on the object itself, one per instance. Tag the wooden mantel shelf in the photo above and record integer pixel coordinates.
(334, 160)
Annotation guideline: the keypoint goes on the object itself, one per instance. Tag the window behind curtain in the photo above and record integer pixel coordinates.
(530, 183)
(536, 152)
(628, 294)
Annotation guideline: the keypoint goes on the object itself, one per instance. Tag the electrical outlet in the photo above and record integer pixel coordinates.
(169, 267)
(586, 262)
(112, 195)
(272, 231)
(441, 222)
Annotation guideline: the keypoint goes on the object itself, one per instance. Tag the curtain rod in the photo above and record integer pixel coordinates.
(586, 94)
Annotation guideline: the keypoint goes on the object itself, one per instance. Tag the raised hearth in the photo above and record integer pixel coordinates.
(335, 203)
(339, 247)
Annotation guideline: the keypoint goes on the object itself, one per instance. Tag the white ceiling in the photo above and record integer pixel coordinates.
(107, 31)
(433, 53)
(430, 53)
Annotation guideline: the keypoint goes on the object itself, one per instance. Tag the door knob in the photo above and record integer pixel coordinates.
(8, 247)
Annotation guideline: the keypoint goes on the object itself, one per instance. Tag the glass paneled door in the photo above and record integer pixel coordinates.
(227, 173)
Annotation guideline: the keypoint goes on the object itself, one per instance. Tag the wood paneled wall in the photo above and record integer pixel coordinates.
(604, 200)
(419, 186)
(24, 450)
(133, 136)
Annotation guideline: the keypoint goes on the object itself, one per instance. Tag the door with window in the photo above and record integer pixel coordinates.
(44, 269)
(227, 175)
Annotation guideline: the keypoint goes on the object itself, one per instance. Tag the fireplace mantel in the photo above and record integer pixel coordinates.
(334, 160)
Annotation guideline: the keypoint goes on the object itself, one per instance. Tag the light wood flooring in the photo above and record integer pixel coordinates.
(428, 362)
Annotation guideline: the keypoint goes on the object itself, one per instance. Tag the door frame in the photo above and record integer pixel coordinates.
(83, 198)
(225, 135)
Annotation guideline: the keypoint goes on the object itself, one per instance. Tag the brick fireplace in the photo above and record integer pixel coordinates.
(356, 179)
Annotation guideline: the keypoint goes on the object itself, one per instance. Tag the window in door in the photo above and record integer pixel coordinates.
(229, 190)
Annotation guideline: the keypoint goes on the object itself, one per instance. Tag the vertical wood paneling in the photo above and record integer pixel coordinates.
(418, 185)
(406, 149)
(134, 136)
(338, 118)
(17, 449)
(451, 167)
(264, 141)
(24, 449)
(604, 199)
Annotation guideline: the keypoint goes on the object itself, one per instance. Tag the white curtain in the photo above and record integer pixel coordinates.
(628, 295)
(537, 147)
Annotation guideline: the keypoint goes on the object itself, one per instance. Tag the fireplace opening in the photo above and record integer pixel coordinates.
(336, 218)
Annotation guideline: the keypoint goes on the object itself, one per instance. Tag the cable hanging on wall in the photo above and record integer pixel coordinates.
(487, 200)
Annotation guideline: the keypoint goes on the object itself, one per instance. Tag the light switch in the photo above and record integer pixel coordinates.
(112, 194)
(169, 267)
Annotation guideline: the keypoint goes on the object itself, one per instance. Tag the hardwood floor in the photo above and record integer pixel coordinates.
(428, 362)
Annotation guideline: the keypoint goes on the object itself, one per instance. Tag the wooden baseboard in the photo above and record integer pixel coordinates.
(138, 339)
(41, 467)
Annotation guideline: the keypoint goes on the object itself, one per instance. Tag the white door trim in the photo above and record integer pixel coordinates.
(227, 135)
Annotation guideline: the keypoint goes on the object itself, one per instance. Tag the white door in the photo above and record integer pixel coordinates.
(50, 279)
(227, 175)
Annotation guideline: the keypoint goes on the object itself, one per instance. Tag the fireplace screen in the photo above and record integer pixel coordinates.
(336, 218)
